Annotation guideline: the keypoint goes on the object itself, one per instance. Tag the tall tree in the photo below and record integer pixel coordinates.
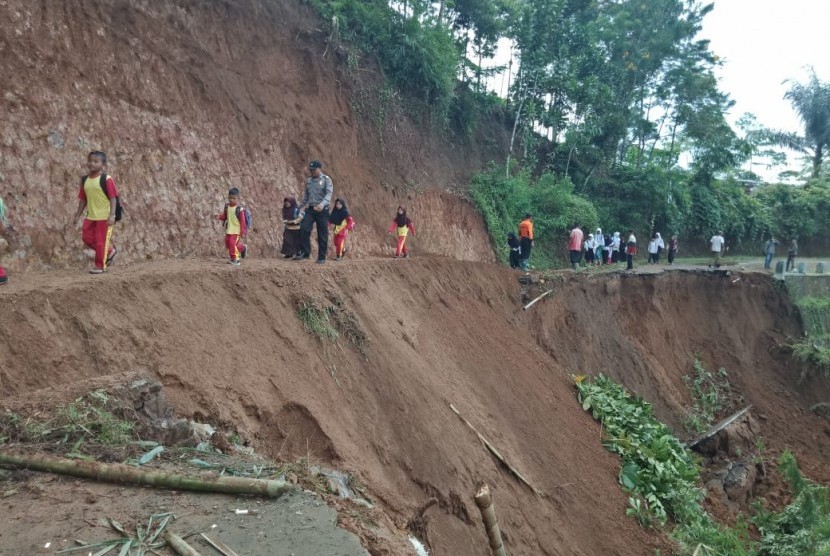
(811, 101)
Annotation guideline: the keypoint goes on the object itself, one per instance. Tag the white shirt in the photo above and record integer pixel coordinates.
(717, 243)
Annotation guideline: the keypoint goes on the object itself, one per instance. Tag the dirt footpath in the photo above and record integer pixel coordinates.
(59, 510)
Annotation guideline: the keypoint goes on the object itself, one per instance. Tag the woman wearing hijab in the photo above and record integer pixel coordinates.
(616, 248)
(402, 226)
(343, 223)
(291, 231)
(589, 246)
(515, 250)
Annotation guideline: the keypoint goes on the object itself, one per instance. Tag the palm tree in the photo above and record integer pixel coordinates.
(811, 101)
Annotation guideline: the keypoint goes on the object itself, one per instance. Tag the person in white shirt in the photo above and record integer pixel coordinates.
(653, 250)
(718, 248)
(588, 247)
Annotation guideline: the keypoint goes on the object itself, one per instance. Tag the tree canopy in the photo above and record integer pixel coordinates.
(613, 103)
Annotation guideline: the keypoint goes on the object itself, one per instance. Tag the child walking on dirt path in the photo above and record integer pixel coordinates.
(4, 275)
(236, 228)
(402, 226)
(515, 250)
(526, 240)
(343, 223)
(291, 229)
(589, 247)
(98, 196)
(630, 250)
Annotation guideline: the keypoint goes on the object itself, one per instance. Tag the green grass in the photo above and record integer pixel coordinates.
(316, 320)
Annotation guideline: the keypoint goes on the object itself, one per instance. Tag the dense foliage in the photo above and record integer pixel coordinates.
(814, 348)
(661, 477)
(617, 98)
(503, 201)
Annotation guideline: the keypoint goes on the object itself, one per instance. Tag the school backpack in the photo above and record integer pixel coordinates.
(242, 212)
(119, 211)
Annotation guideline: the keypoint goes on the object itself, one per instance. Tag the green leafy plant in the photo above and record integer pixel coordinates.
(657, 470)
(814, 349)
(803, 527)
(710, 393)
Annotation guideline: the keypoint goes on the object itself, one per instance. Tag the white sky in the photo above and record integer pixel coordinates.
(762, 43)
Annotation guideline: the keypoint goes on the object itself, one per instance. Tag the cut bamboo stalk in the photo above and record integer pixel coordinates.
(178, 545)
(220, 546)
(488, 515)
(117, 473)
(496, 453)
(529, 305)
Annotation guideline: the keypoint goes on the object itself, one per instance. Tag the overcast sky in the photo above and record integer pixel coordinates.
(762, 43)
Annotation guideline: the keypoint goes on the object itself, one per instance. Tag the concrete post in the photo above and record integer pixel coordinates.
(821, 268)
(802, 268)
(779, 268)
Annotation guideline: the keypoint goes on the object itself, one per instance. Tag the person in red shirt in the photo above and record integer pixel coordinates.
(235, 227)
(525, 241)
(575, 246)
(99, 200)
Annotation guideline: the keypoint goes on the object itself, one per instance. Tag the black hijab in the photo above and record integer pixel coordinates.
(402, 219)
(338, 215)
(288, 212)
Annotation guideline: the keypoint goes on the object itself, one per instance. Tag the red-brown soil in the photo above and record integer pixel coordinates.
(229, 349)
(190, 98)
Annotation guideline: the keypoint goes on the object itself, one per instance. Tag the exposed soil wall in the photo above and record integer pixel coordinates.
(230, 350)
(189, 98)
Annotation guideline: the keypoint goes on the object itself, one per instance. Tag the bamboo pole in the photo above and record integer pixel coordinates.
(488, 515)
(529, 305)
(220, 546)
(117, 473)
(496, 453)
(178, 545)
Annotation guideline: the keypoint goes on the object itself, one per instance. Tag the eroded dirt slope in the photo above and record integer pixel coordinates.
(189, 98)
(230, 350)
(644, 331)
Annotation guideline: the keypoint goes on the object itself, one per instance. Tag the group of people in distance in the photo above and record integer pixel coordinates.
(313, 209)
(769, 253)
(599, 248)
(99, 204)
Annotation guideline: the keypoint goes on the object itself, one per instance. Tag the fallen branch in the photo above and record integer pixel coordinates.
(220, 546)
(496, 453)
(488, 515)
(529, 305)
(117, 473)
